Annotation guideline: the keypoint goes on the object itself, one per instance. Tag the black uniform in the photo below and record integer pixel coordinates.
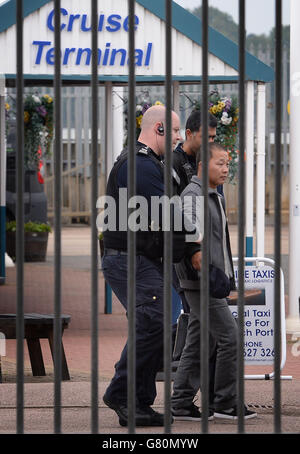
(185, 166)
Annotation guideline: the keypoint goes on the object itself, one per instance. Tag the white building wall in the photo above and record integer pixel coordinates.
(186, 53)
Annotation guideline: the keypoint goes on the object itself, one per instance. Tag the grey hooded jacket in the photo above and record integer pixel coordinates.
(188, 276)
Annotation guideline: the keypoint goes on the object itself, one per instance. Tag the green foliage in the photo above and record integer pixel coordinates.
(226, 25)
(285, 35)
(29, 227)
(220, 21)
(256, 43)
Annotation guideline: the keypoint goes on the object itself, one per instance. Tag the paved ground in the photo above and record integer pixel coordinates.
(76, 408)
(76, 412)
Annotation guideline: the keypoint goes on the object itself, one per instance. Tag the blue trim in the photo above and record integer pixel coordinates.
(249, 246)
(124, 79)
(2, 243)
(183, 21)
(8, 11)
(176, 306)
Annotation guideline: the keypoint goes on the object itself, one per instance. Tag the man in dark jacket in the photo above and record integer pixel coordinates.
(184, 156)
(222, 326)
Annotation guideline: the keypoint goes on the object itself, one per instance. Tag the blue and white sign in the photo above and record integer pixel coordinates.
(81, 24)
(259, 314)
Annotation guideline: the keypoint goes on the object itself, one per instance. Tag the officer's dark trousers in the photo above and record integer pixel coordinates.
(149, 326)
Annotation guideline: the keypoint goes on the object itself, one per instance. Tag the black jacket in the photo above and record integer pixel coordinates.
(150, 183)
(185, 167)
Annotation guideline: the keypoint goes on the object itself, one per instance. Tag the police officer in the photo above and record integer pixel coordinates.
(149, 272)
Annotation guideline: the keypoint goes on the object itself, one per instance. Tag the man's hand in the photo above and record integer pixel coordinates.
(196, 260)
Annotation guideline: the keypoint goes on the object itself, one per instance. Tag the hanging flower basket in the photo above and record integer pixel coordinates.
(227, 113)
(38, 127)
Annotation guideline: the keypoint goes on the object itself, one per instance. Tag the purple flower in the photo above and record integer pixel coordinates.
(227, 105)
(41, 111)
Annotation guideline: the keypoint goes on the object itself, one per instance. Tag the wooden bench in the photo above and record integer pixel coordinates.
(36, 327)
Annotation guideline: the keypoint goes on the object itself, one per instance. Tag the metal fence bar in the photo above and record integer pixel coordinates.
(168, 234)
(20, 220)
(57, 222)
(94, 241)
(277, 216)
(69, 148)
(241, 218)
(285, 99)
(204, 294)
(131, 237)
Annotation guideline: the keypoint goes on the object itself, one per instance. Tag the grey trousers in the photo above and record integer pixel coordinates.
(222, 356)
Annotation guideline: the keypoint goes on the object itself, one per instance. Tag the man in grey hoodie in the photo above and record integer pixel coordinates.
(222, 326)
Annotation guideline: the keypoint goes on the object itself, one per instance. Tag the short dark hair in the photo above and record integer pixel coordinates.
(211, 147)
(193, 122)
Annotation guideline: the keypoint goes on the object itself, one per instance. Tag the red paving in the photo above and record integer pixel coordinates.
(112, 327)
(76, 301)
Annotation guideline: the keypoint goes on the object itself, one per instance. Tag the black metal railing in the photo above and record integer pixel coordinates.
(131, 234)
(241, 216)
(20, 220)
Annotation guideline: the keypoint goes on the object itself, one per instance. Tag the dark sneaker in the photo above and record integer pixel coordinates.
(156, 418)
(191, 413)
(232, 413)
